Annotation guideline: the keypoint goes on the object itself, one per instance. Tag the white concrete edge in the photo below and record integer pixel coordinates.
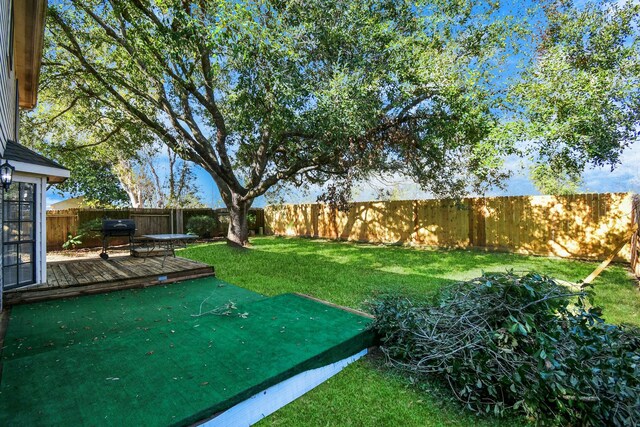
(275, 397)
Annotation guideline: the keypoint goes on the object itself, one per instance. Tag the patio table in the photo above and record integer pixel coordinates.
(168, 242)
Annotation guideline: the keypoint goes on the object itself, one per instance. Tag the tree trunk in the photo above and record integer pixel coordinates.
(238, 234)
(135, 197)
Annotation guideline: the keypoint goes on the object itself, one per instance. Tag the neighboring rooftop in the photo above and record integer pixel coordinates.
(73, 202)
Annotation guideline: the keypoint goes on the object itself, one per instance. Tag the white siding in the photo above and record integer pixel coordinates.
(8, 104)
(8, 99)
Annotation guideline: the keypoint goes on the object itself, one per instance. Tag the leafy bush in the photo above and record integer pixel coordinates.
(251, 219)
(72, 241)
(201, 225)
(504, 342)
(87, 230)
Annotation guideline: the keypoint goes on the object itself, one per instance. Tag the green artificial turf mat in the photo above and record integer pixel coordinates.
(140, 357)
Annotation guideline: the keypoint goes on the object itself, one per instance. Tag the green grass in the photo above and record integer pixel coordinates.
(349, 274)
(366, 393)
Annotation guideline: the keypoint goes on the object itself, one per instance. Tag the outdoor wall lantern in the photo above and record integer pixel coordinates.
(6, 174)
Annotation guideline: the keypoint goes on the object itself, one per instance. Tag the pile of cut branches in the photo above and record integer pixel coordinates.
(505, 343)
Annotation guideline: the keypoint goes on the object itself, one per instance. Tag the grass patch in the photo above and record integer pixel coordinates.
(368, 394)
(349, 274)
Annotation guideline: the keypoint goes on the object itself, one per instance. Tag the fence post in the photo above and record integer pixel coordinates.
(179, 221)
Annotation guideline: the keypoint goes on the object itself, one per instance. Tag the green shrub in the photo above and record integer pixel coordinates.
(72, 241)
(504, 342)
(201, 225)
(87, 230)
(251, 220)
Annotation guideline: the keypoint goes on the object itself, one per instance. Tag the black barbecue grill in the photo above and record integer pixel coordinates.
(116, 228)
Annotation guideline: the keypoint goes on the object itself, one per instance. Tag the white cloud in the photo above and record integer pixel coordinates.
(624, 178)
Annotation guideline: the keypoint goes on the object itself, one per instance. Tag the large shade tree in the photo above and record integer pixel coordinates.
(88, 140)
(262, 93)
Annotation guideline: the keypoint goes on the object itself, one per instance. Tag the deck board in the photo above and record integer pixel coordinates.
(53, 276)
(123, 268)
(118, 273)
(65, 277)
(89, 276)
(167, 263)
(77, 273)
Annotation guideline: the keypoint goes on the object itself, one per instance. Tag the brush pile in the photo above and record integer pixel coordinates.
(506, 343)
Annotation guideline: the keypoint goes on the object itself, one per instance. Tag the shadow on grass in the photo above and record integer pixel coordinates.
(349, 274)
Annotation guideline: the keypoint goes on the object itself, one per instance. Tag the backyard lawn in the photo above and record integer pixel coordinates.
(367, 393)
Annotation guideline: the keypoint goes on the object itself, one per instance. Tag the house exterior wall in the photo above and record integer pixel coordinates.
(25, 36)
(8, 98)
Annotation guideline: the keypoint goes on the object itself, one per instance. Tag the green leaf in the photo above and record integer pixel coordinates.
(521, 329)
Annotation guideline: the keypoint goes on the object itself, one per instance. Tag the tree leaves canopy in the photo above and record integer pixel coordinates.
(265, 91)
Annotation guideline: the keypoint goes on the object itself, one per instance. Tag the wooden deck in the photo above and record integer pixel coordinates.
(90, 276)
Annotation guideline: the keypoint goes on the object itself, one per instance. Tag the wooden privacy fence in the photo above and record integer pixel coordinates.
(62, 223)
(578, 226)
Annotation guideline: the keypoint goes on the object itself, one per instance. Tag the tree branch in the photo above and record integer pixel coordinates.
(193, 153)
(93, 144)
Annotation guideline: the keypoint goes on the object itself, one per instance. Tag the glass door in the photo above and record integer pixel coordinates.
(19, 233)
